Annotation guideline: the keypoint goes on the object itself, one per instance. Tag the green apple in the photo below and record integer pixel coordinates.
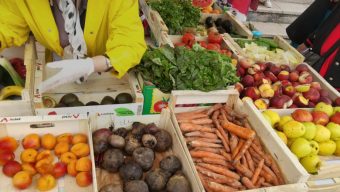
(324, 107)
(273, 116)
(336, 109)
(337, 151)
(322, 134)
(315, 147)
(282, 136)
(283, 120)
(294, 129)
(311, 163)
(310, 130)
(290, 141)
(267, 118)
(334, 128)
(301, 147)
(327, 148)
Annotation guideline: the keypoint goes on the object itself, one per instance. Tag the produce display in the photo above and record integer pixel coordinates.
(272, 86)
(46, 158)
(266, 50)
(12, 76)
(71, 100)
(309, 133)
(225, 150)
(141, 157)
(180, 68)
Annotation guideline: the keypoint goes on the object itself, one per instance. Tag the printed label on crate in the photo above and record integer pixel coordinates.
(154, 100)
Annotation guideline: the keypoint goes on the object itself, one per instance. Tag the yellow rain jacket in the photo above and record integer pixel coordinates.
(112, 27)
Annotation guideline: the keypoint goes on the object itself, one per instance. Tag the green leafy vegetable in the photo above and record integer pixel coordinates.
(185, 69)
(177, 14)
(264, 42)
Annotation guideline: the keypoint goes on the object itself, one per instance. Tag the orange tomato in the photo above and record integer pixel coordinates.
(216, 11)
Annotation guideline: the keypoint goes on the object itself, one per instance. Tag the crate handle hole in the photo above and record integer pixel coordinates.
(41, 125)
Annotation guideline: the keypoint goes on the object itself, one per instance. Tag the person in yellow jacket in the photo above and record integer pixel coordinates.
(99, 35)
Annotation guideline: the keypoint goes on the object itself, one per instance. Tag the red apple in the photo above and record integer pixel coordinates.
(281, 102)
(11, 168)
(283, 75)
(323, 93)
(245, 63)
(285, 68)
(252, 92)
(263, 66)
(240, 72)
(302, 115)
(315, 85)
(335, 118)
(258, 76)
(278, 90)
(254, 69)
(274, 69)
(294, 76)
(247, 81)
(320, 117)
(285, 83)
(239, 87)
(337, 102)
(313, 95)
(271, 76)
(305, 78)
(325, 100)
(301, 67)
(289, 90)
(301, 101)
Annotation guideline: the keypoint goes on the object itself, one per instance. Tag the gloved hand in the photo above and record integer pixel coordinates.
(70, 71)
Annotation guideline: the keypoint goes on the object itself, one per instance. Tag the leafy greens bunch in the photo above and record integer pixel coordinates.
(187, 69)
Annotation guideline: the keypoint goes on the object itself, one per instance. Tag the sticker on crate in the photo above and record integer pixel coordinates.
(155, 100)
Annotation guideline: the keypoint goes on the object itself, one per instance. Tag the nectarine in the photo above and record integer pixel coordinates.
(61, 148)
(29, 168)
(46, 182)
(22, 180)
(79, 138)
(31, 141)
(71, 168)
(6, 156)
(11, 168)
(59, 169)
(84, 179)
(67, 157)
(48, 141)
(83, 164)
(8, 144)
(81, 149)
(66, 137)
(29, 155)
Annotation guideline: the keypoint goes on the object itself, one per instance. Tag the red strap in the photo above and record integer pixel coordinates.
(328, 62)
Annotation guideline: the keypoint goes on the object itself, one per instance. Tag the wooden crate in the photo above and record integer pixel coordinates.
(324, 185)
(19, 127)
(283, 44)
(293, 173)
(94, 89)
(164, 122)
(331, 164)
(24, 106)
(239, 27)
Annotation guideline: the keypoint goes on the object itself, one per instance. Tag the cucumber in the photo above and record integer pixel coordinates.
(13, 75)
(270, 42)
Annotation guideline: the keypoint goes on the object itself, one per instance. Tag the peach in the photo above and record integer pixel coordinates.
(22, 180)
(301, 101)
(8, 144)
(83, 164)
(286, 83)
(285, 68)
(245, 63)
(301, 67)
(31, 141)
(324, 93)
(271, 76)
(258, 76)
(261, 104)
(79, 138)
(294, 76)
(275, 69)
(312, 94)
(59, 170)
(240, 72)
(281, 102)
(81, 149)
(46, 182)
(337, 101)
(302, 115)
(45, 154)
(254, 69)
(67, 157)
(84, 179)
(11, 168)
(320, 117)
(305, 78)
(248, 81)
(48, 141)
(325, 100)
(44, 166)
(239, 87)
(316, 85)
(61, 148)
(71, 168)
(29, 155)
(283, 75)
(263, 66)
(336, 118)
(29, 168)
(6, 156)
(252, 92)
(289, 90)
(66, 137)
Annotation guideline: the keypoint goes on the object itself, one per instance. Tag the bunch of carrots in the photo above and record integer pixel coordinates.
(227, 153)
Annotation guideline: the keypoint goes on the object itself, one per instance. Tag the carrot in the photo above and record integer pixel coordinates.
(244, 161)
(239, 131)
(250, 161)
(196, 121)
(233, 142)
(275, 180)
(259, 182)
(217, 162)
(202, 154)
(216, 187)
(244, 148)
(238, 123)
(190, 113)
(217, 177)
(191, 117)
(224, 115)
(215, 115)
(243, 170)
(235, 113)
(204, 144)
(277, 171)
(212, 150)
(214, 108)
(259, 155)
(247, 183)
(197, 160)
(264, 184)
(257, 171)
(223, 139)
(220, 170)
(188, 139)
(267, 176)
(226, 155)
(204, 181)
(209, 125)
(237, 149)
(234, 184)
(257, 143)
(201, 134)
(189, 127)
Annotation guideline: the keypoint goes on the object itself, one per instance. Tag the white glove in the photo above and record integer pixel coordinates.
(70, 71)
